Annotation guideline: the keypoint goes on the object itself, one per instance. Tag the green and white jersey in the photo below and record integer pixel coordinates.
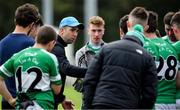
(166, 38)
(177, 47)
(151, 48)
(167, 71)
(34, 69)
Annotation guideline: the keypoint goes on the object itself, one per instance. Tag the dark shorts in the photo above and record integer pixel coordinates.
(6, 105)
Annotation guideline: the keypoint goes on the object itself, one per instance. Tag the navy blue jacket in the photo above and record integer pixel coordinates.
(10, 45)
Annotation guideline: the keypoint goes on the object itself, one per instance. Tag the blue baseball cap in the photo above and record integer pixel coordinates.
(71, 22)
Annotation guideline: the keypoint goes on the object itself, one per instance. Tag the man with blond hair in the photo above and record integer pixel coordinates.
(85, 54)
(123, 74)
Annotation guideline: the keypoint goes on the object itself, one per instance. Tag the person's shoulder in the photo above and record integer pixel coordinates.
(6, 38)
(58, 48)
(157, 40)
(20, 53)
(165, 37)
(112, 44)
(82, 49)
(58, 45)
(177, 46)
(103, 43)
(160, 40)
(30, 40)
(49, 55)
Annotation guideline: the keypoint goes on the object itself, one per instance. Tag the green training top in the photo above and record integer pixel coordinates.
(177, 47)
(34, 69)
(167, 70)
(166, 38)
(151, 48)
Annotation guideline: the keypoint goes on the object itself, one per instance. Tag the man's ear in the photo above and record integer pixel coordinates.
(61, 30)
(128, 24)
(146, 28)
(31, 25)
(121, 33)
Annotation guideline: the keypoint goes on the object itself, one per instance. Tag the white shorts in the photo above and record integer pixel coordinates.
(178, 103)
(36, 106)
(165, 107)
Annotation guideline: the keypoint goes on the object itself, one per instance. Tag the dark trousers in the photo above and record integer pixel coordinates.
(56, 106)
(6, 105)
(104, 107)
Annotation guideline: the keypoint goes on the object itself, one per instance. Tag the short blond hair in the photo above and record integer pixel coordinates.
(96, 20)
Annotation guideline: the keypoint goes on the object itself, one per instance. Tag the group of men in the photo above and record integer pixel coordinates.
(165, 51)
(138, 71)
(36, 84)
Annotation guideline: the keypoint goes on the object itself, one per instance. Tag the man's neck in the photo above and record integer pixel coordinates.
(150, 35)
(36, 45)
(95, 44)
(20, 29)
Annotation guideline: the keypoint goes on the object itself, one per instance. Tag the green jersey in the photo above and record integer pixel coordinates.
(166, 38)
(167, 71)
(151, 48)
(34, 69)
(177, 47)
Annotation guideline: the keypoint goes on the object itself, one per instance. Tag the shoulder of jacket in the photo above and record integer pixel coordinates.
(82, 49)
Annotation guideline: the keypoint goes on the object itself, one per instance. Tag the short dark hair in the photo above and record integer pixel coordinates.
(45, 35)
(26, 14)
(176, 19)
(39, 21)
(123, 23)
(139, 15)
(167, 18)
(152, 22)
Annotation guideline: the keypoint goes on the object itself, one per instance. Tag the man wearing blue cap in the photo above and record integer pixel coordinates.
(68, 31)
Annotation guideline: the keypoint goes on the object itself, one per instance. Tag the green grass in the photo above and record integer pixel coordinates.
(71, 94)
(74, 96)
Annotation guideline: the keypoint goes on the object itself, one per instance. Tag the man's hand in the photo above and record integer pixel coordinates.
(12, 102)
(67, 105)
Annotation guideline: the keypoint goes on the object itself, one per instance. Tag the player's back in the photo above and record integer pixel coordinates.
(167, 71)
(151, 48)
(36, 61)
(35, 69)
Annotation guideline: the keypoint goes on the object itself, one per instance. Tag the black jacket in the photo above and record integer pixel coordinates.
(65, 68)
(123, 75)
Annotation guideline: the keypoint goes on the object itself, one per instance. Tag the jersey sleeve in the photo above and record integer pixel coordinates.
(54, 72)
(7, 69)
